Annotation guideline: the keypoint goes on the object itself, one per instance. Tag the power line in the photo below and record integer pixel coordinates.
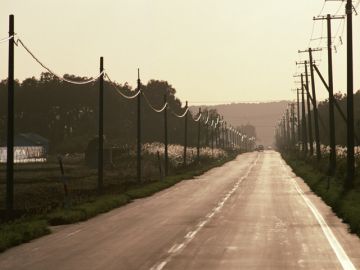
(119, 91)
(152, 107)
(61, 78)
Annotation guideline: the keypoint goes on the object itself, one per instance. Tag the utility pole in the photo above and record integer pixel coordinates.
(350, 98)
(292, 126)
(185, 133)
(101, 128)
(288, 132)
(314, 103)
(10, 123)
(298, 115)
(328, 18)
(303, 118)
(166, 138)
(223, 132)
(212, 137)
(311, 141)
(306, 87)
(139, 129)
(198, 137)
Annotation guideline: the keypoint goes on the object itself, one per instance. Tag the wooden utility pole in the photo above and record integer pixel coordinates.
(101, 128)
(288, 131)
(185, 133)
(311, 141)
(350, 98)
(303, 118)
(10, 123)
(328, 18)
(199, 136)
(298, 116)
(166, 138)
(293, 140)
(139, 129)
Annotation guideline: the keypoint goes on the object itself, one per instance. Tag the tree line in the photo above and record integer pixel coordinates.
(67, 114)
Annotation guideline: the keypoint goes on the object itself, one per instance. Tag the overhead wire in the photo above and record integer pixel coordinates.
(182, 115)
(6, 39)
(198, 118)
(152, 107)
(61, 78)
(114, 85)
(119, 91)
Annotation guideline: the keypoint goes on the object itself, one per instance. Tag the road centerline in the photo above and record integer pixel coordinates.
(177, 248)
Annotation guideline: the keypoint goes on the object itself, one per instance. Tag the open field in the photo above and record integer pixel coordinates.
(39, 187)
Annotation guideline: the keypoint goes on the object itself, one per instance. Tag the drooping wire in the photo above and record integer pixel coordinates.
(6, 39)
(182, 115)
(339, 37)
(207, 119)
(198, 118)
(322, 8)
(61, 78)
(116, 88)
(340, 6)
(152, 107)
(312, 33)
(322, 33)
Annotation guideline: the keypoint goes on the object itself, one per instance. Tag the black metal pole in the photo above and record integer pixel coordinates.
(139, 129)
(101, 129)
(185, 134)
(350, 99)
(316, 114)
(166, 138)
(10, 123)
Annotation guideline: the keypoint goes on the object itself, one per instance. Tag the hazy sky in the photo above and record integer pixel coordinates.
(210, 51)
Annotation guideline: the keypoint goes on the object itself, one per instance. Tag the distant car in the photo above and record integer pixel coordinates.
(260, 148)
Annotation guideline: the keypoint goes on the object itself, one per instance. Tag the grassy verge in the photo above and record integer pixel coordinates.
(345, 203)
(24, 230)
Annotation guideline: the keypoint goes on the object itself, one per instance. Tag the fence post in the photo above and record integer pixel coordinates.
(185, 135)
(138, 129)
(10, 123)
(101, 128)
(198, 137)
(166, 138)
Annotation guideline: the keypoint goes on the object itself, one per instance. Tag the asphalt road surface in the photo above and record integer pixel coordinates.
(252, 213)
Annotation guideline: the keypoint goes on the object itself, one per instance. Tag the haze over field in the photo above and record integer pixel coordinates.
(263, 116)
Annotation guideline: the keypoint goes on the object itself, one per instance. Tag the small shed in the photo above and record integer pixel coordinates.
(28, 148)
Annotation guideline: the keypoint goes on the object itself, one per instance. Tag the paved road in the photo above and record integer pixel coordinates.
(252, 213)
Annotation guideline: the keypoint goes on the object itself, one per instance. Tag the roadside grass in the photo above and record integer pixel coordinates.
(33, 225)
(345, 203)
(19, 232)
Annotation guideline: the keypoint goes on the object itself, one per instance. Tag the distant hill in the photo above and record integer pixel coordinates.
(263, 116)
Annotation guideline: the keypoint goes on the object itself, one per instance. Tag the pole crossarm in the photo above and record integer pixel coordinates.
(331, 17)
(310, 49)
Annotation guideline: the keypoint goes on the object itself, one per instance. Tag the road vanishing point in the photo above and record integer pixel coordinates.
(251, 213)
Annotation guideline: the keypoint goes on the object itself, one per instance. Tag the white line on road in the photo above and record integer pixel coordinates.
(73, 233)
(334, 243)
(177, 248)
